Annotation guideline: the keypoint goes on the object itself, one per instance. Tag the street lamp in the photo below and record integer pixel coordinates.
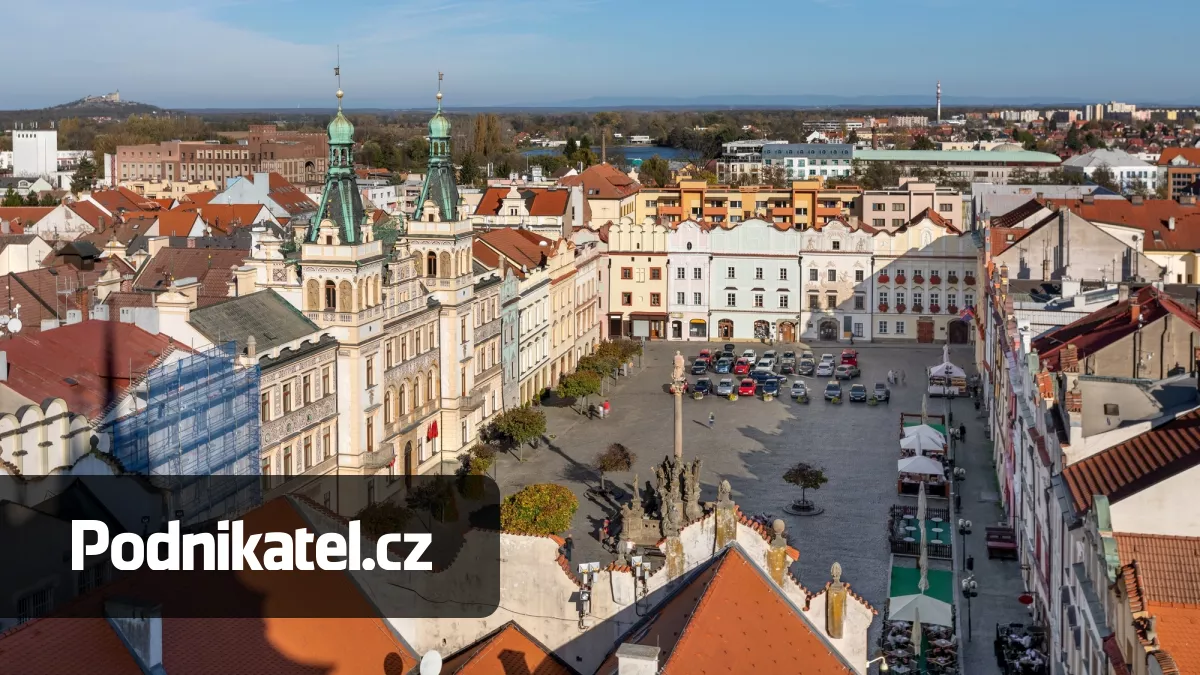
(964, 528)
(879, 657)
(970, 589)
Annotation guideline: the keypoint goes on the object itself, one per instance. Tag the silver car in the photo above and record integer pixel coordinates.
(724, 387)
(799, 389)
(825, 369)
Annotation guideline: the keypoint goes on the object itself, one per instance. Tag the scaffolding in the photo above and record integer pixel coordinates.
(197, 433)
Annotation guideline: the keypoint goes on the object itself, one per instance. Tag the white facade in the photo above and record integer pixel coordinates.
(835, 262)
(534, 332)
(35, 153)
(688, 253)
(755, 281)
(809, 160)
(1126, 169)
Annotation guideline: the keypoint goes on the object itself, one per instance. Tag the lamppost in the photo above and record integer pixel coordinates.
(964, 528)
(970, 589)
(880, 658)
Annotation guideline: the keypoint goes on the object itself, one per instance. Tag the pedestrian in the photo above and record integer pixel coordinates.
(712, 420)
(607, 408)
(604, 532)
(962, 431)
(903, 377)
(976, 404)
(568, 547)
(891, 377)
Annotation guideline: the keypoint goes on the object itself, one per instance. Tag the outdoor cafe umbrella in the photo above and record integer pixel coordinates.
(922, 442)
(916, 631)
(932, 611)
(920, 464)
(925, 430)
(923, 561)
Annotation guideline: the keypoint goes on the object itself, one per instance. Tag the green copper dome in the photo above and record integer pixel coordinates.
(341, 131)
(439, 126)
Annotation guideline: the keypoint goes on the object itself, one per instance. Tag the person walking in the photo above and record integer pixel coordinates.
(568, 547)
(604, 533)
(891, 377)
(962, 431)
(903, 377)
(607, 408)
(712, 420)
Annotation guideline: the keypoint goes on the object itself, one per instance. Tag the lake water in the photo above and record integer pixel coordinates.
(633, 153)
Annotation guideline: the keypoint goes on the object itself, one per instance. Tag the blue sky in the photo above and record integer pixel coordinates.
(280, 53)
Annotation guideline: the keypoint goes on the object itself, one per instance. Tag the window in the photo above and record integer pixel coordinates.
(812, 274)
(264, 407)
(969, 299)
(916, 273)
(35, 604)
(858, 275)
(287, 398)
(626, 272)
(308, 456)
(883, 328)
(655, 299)
(878, 206)
(730, 273)
(370, 371)
(897, 222)
(390, 358)
(935, 298)
(783, 274)
(327, 444)
(697, 299)
(860, 301)
(883, 297)
(758, 272)
(934, 273)
(370, 434)
(836, 244)
(697, 273)
(918, 298)
(306, 389)
(287, 461)
(681, 298)
(878, 222)
(898, 206)
(655, 274)
(952, 299)
(858, 330)
(758, 300)
(627, 299)
(900, 298)
(831, 301)
(814, 301)
(945, 207)
(831, 274)
(899, 328)
(1112, 409)
(325, 381)
(735, 204)
(731, 299)
(783, 302)
(680, 272)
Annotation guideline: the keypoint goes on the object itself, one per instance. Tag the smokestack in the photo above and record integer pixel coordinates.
(939, 101)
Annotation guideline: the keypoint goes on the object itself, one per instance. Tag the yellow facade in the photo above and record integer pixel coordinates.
(805, 203)
(166, 189)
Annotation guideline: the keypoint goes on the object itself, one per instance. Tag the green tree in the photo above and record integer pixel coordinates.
(853, 137)
(806, 477)
(84, 176)
(579, 385)
(923, 142)
(32, 199)
(520, 426)
(1103, 176)
(383, 518)
(48, 199)
(468, 170)
(1073, 141)
(1093, 141)
(616, 457)
(1022, 176)
(11, 198)
(1139, 187)
(776, 177)
(878, 175)
(542, 509)
(655, 171)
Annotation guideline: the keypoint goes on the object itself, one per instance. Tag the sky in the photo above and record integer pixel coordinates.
(281, 53)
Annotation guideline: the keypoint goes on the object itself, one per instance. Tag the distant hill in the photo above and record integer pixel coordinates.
(90, 106)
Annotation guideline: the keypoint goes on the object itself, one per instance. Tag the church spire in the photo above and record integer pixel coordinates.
(341, 202)
(440, 186)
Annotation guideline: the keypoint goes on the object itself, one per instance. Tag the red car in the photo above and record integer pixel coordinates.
(849, 357)
(747, 387)
(742, 367)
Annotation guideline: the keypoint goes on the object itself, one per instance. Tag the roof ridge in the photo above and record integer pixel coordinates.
(701, 603)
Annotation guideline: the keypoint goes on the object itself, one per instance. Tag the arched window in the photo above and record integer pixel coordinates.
(345, 297)
(432, 387)
(388, 412)
(447, 268)
(431, 263)
(330, 295)
(401, 403)
(417, 392)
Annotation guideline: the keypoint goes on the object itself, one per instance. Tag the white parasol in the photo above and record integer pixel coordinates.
(920, 464)
(922, 442)
(932, 611)
(925, 430)
(923, 561)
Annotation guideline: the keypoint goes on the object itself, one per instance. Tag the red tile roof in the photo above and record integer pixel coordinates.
(224, 218)
(1152, 216)
(90, 213)
(176, 223)
(1192, 155)
(1168, 568)
(603, 181)
(1178, 631)
(19, 217)
(197, 198)
(520, 247)
(38, 293)
(1015, 216)
(267, 646)
(1003, 238)
(71, 362)
(1136, 464)
(213, 267)
(732, 618)
(121, 199)
(538, 201)
(289, 197)
(1105, 326)
(505, 651)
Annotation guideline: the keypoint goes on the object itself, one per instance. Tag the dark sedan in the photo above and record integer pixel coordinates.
(703, 386)
(770, 386)
(699, 367)
(724, 366)
(807, 367)
(858, 393)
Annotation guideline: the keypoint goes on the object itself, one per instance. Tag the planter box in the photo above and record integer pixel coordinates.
(935, 280)
(970, 281)
(918, 279)
(953, 279)
(936, 309)
(952, 310)
(917, 309)
(900, 308)
(883, 278)
(900, 278)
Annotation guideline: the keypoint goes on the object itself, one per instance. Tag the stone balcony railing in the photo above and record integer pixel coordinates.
(487, 330)
(334, 318)
(377, 459)
(297, 420)
(471, 402)
(407, 422)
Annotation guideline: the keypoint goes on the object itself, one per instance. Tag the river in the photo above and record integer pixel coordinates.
(633, 153)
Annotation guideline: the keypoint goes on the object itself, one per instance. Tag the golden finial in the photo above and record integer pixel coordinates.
(439, 92)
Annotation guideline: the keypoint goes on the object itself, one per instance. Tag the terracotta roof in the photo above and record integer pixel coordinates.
(1004, 237)
(120, 299)
(603, 181)
(485, 254)
(37, 291)
(24, 215)
(1136, 464)
(226, 217)
(291, 198)
(731, 618)
(197, 198)
(1178, 631)
(1018, 214)
(935, 217)
(1168, 568)
(1192, 155)
(505, 651)
(164, 202)
(176, 223)
(1105, 326)
(1152, 216)
(520, 247)
(266, 646)
(90, 213)
(538, 201)
(213, 267)
(70, 362)
(120, 199)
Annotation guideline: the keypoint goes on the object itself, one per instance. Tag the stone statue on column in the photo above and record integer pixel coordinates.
(677, 382)
(691, 491)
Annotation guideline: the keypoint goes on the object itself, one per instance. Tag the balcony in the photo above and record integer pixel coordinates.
(710, 211)
(334, 318)
(408, 422)
(670, 210)
(378, 459)
(417, 365)
(471, 402)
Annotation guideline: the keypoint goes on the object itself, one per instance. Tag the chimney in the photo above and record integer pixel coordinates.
(1068, 361)
(635, 659)
(100, 223)
(1136, 200)
(188, 287)
(140, 627)
(1089, 198)
(1074, 399)
(1122, 292)
(251, 346)
(3, 366)
(127, 283)
(777, 557)
(1171, 223)
(835, 603)
(156, 244)
(1135, 308)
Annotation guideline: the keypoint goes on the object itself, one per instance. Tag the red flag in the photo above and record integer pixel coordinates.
(433, 431)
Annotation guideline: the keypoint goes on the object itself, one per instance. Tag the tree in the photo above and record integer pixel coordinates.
(655, 171)
(878, 175)
(579, 385)
(32, 199)
(84, 177)
(542, 509)
(11, 198)
(1022, 176)
(853, 137)
(48, 199)
(923, 142)
(616, 457)
(383, 518)
(434, 495)
(1103, 176)
(1073, 141)
(775, 176)
(519, 426)
(468, 170)
(1139, 187)
(806, 477)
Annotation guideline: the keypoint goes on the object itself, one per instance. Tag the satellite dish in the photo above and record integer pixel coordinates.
(431, 663)
(14, 325)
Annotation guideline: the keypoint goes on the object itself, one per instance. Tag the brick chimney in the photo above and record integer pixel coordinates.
(1068, 360)
(1073, 401)
(635, 659)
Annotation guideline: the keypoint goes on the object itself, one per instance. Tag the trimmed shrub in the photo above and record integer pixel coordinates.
(541, 509)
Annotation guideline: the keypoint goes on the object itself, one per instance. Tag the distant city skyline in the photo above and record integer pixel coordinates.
(281, 53)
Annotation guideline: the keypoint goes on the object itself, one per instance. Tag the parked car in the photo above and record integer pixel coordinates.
(882, 393)
(770, 386)
(789, 356)
(750, 354)
(747, 387)
(849, 357)
(769, 354)
(742, 366)
(724, 366)
(825, 369)
(765, 364)
(727, 354)
(699, 367)
(761, 375)
(705, 354)
(807, 356)
(704, 386)
(799, 389)
(782, 380)
(858, 393)
(827, 358)
(806, 367)
(845, 372)
(729, 347)
(833, 390)
(725, 387)
(787, 368)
